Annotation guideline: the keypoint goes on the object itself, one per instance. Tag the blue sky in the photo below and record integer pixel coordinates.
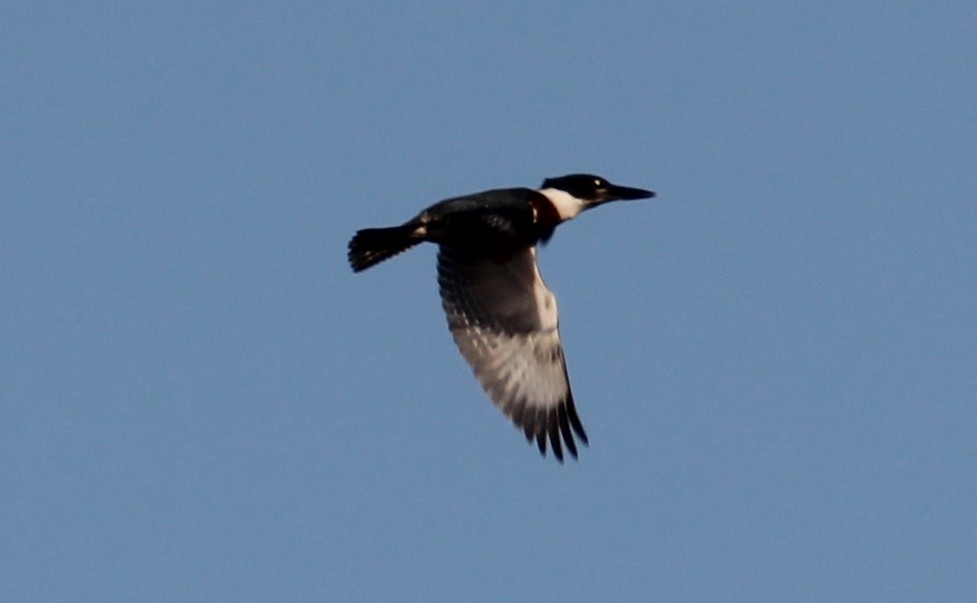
(775, 359)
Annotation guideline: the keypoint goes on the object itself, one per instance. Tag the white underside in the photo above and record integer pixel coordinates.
(566, 204)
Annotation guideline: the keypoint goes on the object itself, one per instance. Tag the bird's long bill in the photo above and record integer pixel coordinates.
(626, 193)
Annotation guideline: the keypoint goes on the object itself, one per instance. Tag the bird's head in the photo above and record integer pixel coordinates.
(575, 193)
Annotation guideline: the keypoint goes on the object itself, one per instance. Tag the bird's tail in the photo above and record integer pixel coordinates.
(371, 246)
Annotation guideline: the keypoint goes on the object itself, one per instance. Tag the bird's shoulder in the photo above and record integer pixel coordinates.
(493, 220)
(499, 199)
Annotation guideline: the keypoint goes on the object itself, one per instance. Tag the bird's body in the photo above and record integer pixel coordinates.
(500, 312)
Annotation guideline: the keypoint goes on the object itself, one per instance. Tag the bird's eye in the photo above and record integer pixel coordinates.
(598, 183)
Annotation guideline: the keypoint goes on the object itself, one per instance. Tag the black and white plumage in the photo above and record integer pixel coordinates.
(502, 316)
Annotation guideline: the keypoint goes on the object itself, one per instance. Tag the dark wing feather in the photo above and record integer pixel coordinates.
(504, 320)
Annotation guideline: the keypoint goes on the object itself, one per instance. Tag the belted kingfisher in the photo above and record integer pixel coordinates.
(501, 314)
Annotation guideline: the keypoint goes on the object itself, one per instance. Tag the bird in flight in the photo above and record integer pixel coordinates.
(501, 315)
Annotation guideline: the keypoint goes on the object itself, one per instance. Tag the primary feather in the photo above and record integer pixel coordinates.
(504, 320)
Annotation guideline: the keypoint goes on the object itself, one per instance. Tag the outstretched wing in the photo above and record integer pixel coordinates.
(504, 320)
